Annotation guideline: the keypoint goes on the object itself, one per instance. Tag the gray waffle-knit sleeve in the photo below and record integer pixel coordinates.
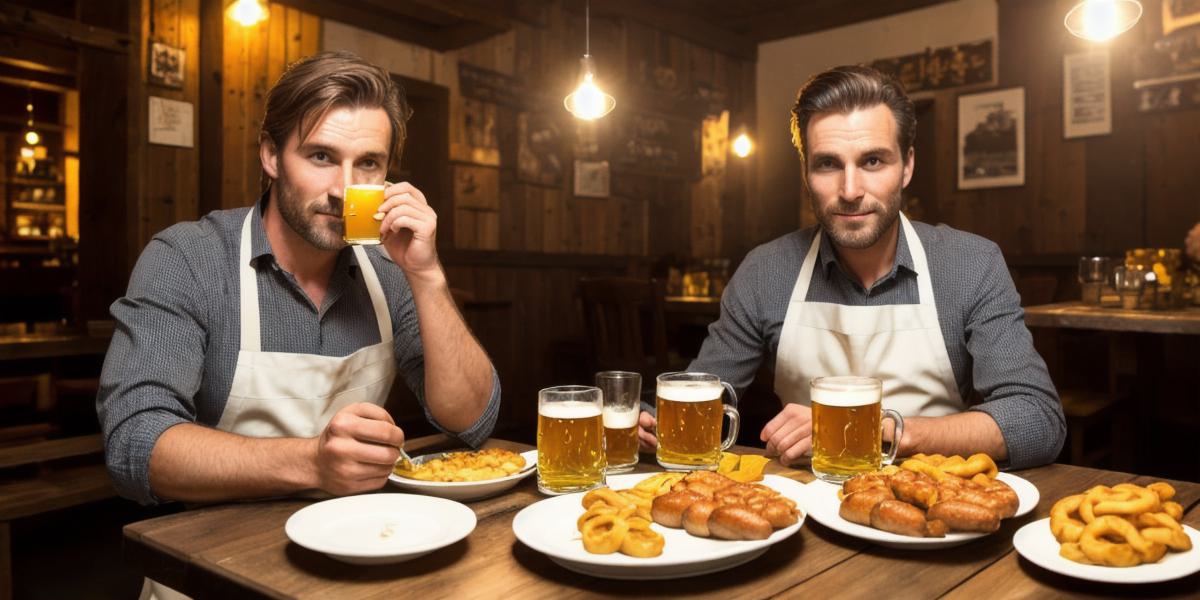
(153, 367)
(410, 360)
(736, 342)
(1008, 371)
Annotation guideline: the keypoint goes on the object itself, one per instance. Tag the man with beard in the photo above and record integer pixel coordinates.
(254, 349)
(931, 311)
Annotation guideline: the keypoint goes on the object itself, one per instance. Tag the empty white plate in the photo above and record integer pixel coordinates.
(380, 528)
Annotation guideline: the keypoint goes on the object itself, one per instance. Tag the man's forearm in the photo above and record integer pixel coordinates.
(963, 434)
(193, 463)
(458, 373)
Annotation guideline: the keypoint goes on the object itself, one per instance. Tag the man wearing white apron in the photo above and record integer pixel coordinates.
(254, 350)
(931, 311)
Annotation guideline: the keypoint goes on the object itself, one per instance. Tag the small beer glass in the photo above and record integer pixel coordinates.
(622, 404)
(359, 205)
(570, 439)
(847, 427)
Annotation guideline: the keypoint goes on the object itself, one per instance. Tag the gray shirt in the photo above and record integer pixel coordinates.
(978, 309)
(177, 336)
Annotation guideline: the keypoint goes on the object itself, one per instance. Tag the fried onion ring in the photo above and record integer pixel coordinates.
(1065, 528)
(1132, 552)
(604, 534)
(641, 541)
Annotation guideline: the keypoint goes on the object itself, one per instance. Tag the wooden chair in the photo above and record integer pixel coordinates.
(626, 326)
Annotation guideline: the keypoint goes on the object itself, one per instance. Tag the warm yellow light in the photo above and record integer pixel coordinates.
(1102, 20)
(27, 153)
(588, 101)
(248, 12)
(743, 146)
(32, 138)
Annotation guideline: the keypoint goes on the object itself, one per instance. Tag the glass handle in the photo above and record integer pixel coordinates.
(735, 419)
(899, 433)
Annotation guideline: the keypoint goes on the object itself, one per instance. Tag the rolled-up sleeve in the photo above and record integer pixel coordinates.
(1008, 371)
(153, 367)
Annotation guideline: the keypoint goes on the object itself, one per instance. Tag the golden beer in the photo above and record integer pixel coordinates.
(689, 420)
(360, 204)
(847, 432)
(570, 442)
(620, 439)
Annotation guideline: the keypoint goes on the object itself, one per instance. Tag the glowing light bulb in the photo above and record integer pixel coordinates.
(588, 101)
(743, 146)
(32, 138)
(1102, 20)
(247, 12)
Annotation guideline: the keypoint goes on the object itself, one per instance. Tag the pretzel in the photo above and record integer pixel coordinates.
(968, 468)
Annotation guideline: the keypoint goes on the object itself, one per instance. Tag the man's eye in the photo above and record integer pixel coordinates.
(369, 164)
(320, 156)
(874, 161)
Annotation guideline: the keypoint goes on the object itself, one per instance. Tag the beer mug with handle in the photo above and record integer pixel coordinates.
(570, 439)
(689, 420)
(847, 427)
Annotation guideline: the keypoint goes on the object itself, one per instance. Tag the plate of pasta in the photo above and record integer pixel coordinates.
(463, 475)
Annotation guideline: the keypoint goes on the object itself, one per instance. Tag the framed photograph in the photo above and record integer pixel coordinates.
(539, 148)
(166, 65)
(1087, 96)
(991, 139)
(591, 178)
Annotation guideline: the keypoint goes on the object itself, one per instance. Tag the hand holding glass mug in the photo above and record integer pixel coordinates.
(399, 216)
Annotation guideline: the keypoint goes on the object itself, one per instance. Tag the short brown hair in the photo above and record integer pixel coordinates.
(312, 86)
(849, 88)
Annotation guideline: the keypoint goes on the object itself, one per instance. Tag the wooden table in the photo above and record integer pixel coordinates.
(1077, 315)
(240, 551)
(23, 347)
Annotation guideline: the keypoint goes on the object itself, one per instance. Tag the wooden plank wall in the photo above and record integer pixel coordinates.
(253, 59)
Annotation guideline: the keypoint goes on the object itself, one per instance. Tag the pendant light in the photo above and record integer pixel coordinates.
(1102, 20)
(31, 135)
(248, 12)
(588, 101)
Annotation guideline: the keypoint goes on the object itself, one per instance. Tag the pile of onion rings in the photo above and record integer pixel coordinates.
(619, 520)
(1120, 526)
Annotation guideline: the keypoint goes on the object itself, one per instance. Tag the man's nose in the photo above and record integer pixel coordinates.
(852, 188)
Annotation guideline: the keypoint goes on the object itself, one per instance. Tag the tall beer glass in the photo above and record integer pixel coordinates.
(359, 205)
(570, 439)
(847, 427)
(689, 420)
(622, 404)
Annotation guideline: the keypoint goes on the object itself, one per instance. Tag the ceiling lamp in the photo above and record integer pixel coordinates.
(588, 101)
(248, 12)
(1102, 20)
(31, 135)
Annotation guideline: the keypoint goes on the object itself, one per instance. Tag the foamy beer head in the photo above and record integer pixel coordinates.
(847, 432)
(689, 420)
(570, 439)
(359, 205)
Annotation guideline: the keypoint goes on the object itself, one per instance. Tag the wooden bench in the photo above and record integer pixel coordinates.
(52, 487)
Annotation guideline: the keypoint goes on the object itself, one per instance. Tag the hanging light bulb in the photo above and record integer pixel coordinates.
(1102, 20)
(248, 12)
(31, 135)
(588, 101)
(743, 146)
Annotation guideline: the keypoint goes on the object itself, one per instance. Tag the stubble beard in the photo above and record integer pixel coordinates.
(860, 237)
(303, 219)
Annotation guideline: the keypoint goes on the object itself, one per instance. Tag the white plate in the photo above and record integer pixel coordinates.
(464, 490)
(1036, 543)
(824, 505)
(380, 528)
(548, 526)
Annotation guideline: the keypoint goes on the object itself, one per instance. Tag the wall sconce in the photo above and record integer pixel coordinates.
(588, 101)
(1102, 20)
(742, 145)
(248, 12)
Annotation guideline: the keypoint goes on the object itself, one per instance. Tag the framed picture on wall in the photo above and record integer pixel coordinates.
(166, 65)
(991, 139)
(591, 178)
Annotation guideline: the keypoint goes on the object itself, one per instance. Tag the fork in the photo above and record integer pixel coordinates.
(405, 462)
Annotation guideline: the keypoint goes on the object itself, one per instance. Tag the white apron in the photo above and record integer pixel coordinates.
(899, 344)
(281, 394)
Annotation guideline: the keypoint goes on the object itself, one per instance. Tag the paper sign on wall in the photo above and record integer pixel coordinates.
(171, 122)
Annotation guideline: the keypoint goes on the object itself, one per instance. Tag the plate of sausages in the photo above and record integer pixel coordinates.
(550, 526)
(891, 522)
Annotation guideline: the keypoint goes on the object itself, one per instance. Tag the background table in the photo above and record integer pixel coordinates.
(1077, 315)
(241, 551)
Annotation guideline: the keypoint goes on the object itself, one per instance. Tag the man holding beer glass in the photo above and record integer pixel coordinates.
(929, 312)
(255, 348)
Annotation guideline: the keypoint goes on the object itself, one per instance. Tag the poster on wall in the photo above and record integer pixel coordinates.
(167, 65)
(714, 145)
(539, 149)
(656, 144)
(942, 68)
(991, 139)
(1087, 95)
(591, 178)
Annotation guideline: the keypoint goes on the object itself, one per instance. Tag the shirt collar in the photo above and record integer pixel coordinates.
(828, 257)
(261, 246)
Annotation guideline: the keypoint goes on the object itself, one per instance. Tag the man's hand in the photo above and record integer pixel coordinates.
(789, 434)
(356, 451)
(646, 439)
(409, 229)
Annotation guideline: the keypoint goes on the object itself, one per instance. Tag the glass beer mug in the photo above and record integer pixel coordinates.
(689, 420)
(359, 205)
(570, 439)
(847, 427)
